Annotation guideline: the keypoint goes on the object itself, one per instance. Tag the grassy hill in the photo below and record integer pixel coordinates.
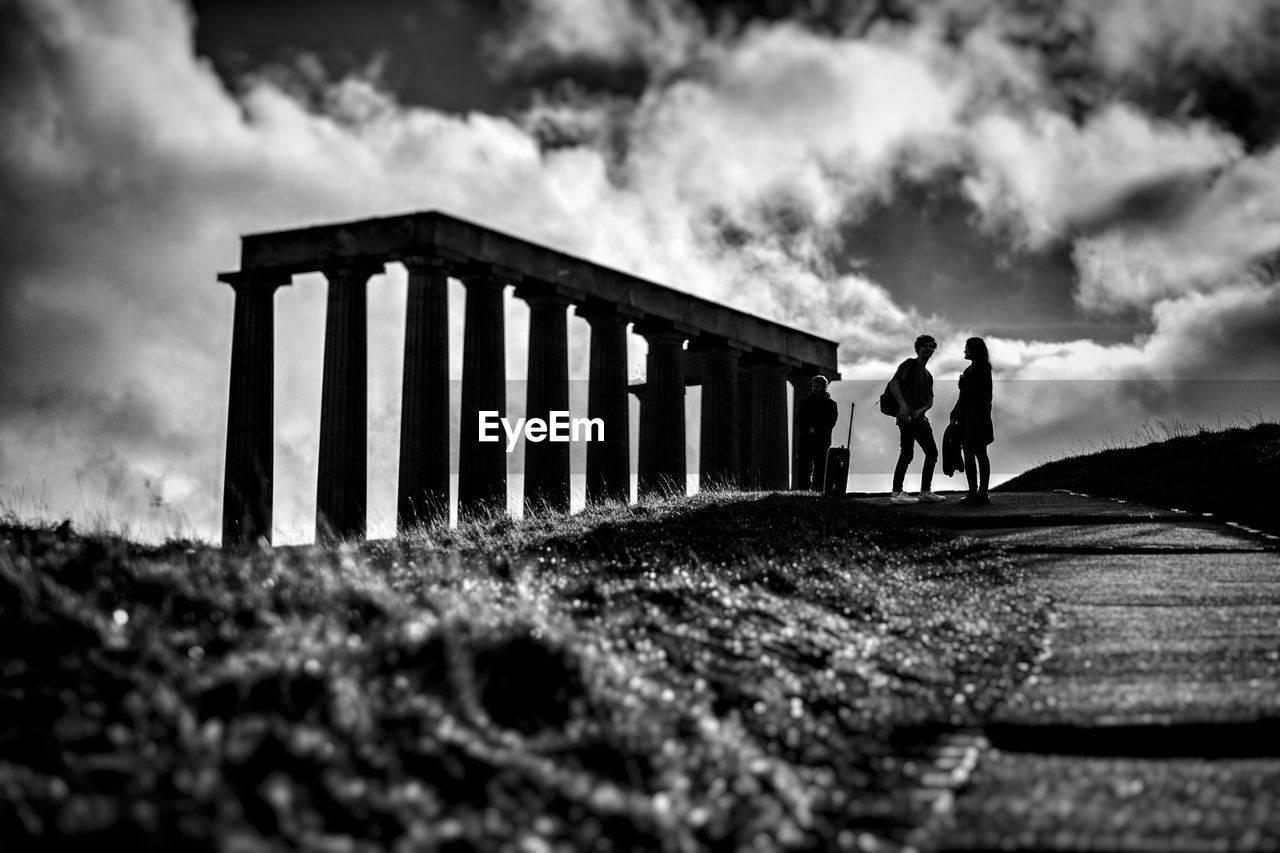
(1232, 473)
(708, 673)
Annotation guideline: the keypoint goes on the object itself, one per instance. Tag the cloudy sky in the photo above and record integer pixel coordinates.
(1092, 186)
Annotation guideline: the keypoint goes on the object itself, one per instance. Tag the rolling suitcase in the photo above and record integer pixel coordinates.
(835, 475)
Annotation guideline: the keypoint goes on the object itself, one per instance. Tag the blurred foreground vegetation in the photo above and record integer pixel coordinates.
(719, 672)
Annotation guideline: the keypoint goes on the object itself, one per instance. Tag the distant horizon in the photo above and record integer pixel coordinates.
(295, 504)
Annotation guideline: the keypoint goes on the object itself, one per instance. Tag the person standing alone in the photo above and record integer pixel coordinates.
(912, 387)
(815, 417)
(972, 413)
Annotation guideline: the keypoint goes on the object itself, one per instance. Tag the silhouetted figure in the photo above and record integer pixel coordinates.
(912, 387)
(972, 414)
(815, 417)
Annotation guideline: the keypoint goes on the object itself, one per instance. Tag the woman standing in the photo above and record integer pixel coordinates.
(973, 414)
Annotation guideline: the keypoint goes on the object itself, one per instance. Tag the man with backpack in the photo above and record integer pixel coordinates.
(912, 389)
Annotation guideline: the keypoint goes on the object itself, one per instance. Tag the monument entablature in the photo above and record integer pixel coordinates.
(438, 235)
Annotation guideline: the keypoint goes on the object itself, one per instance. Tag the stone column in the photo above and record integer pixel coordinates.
(608, 461)
(799, 382)
(546, 462)
(637, 391)
(247, 486)
(423, 491)
(662, 427)
(769, 450)
(482, 466)
(718, 457)
(342, 483)
(748, 473)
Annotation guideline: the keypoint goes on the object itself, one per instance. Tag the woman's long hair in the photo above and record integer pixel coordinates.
(979, 349)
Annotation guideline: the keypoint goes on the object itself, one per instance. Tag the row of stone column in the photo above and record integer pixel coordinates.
(744, 417)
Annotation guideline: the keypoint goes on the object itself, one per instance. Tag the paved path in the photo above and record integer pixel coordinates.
(1154, 721)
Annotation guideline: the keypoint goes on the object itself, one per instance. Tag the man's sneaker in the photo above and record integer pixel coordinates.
(931, 497)
(902, 498)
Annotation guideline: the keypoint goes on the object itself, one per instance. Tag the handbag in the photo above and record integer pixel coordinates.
(952, 449)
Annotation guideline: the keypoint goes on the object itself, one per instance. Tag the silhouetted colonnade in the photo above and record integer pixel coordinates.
(742, 362)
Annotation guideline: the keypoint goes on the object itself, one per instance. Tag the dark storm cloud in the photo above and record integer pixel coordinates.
(44, 337)
(428, 53)
(1034, 146)
(1216, 61)
(924, 241)
(1157, 203)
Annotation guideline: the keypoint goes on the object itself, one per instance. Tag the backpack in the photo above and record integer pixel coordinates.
(888, 403)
